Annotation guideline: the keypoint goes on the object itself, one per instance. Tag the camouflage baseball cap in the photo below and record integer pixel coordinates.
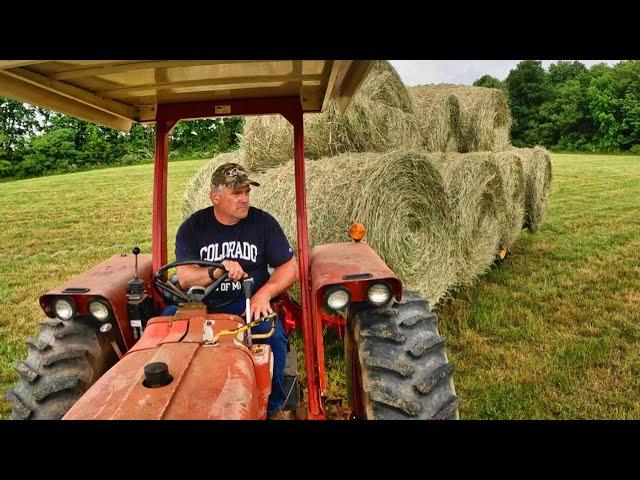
(231, 175)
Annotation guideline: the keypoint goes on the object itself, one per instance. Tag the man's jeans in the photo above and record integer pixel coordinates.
(279, 346)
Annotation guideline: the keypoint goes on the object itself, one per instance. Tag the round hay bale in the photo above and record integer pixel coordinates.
(509, 164)
(474, 187)
(398, 196)
(485, 118)
(438, 113)
(196, 195)
(536, 163)
(462, 118)
(380, 118)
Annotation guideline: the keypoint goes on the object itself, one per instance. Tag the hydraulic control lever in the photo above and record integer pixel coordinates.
(247, 289)
(137, 303)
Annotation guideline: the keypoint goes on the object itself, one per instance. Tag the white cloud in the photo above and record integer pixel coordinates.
(419, 72)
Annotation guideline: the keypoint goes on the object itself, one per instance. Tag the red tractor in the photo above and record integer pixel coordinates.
(104, 353)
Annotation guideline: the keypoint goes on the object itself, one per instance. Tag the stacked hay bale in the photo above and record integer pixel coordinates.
(509, 165)
(476, 195)
(380, 118)
(438, 113)
(429, 171)
(462, 118)
(474, 119)
(400, 197)
(536, 164)
(485, 119)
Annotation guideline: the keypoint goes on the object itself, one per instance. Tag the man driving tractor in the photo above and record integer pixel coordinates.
(246, 240)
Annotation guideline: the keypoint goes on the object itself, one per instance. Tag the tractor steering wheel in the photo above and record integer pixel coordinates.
(162, 286)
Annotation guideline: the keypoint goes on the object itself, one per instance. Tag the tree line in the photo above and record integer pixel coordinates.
(568, 108)
(573, 108)
(35, 141)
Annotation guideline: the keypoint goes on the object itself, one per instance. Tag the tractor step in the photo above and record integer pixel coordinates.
(290, 381)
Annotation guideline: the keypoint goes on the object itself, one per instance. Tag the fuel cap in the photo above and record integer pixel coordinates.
(156, 375)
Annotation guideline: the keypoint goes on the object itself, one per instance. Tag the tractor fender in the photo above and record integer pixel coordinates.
(106, 281)
(353, 265)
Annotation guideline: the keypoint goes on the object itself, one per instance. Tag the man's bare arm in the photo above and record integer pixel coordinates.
(283, 277)
(190, 275)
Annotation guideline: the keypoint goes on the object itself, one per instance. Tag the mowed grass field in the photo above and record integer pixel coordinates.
(551, 332)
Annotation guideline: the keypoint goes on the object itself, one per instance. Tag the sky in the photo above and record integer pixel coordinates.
(420, 72)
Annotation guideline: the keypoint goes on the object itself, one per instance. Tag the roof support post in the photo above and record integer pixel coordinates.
(159, 215)
(311, 329)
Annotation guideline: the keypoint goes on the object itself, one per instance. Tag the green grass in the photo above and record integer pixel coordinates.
(551, 332)
(59, 226)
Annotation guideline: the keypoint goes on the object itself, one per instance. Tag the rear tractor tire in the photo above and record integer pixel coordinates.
(66, 359)
(396, 364)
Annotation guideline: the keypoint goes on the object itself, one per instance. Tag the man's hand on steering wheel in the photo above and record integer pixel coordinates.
(234, 270)
(164, 287)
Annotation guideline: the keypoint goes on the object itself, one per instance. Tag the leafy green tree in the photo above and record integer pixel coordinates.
(599, 69)
(17, 122)
(627, 75)
(606, 110)
(206, 136)
(566, 123)
(138, 144)
(54, 151)
(562, 71)
(6, 168)
(490, 82)
(527, 88)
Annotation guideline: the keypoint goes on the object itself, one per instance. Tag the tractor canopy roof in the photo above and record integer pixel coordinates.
(115, 93)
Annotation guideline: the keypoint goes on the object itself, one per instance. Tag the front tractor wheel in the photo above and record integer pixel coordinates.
(66, 359)
(396, 363)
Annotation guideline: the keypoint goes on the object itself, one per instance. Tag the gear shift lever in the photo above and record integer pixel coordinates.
(247, 287)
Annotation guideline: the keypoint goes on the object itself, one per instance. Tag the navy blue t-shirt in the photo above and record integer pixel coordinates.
(254, 242)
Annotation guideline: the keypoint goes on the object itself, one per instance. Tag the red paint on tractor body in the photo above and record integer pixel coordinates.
(222, 381)
(108, 281)
(340, 263)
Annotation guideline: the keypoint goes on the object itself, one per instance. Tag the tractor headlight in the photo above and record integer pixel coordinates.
(99, 310)
(64, 308)
(379, 294)
(336, 298)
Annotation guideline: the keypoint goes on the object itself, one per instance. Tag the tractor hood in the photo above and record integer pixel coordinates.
(222, 381)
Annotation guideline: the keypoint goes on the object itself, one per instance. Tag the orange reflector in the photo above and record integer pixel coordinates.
(357, 231)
